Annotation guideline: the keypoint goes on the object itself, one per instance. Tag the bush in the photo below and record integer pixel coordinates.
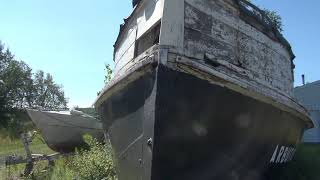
(62, 170)
(94, 163)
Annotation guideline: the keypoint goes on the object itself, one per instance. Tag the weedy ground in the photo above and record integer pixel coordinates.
(87, 164)
(97, 163)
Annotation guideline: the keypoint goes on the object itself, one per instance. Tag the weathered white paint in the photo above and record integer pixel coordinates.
(227, 15)
(129, 73)
(247, 55)
(145, 16)
(250, 58)
(129, 37)
(241, 85)
(125, 58)
(149, 16)
(215, 28)
(172, 24)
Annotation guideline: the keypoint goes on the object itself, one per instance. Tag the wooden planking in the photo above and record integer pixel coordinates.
(205, 33)
(127, 56)
(128, 41)
(149, 16)
(234, 81)
(197, 43)
(146, 16)
(227, 15)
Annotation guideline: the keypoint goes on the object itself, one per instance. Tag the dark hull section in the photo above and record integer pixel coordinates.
(169, 125)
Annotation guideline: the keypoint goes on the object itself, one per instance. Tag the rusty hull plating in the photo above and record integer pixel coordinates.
(202, 90)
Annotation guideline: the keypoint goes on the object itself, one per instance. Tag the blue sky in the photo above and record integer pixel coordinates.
(301, 21)
(73, 39)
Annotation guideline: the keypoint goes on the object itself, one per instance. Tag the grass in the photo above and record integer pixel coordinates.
(14, 146)
(305, 165)
(96, 163)
(93, 163)
(10, 146)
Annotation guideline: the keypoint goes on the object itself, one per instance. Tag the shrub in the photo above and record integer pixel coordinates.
(94, 163)
(62, 170)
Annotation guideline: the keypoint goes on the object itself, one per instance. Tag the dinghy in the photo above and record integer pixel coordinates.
(63, 130)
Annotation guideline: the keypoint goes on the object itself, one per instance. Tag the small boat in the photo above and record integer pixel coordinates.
(63, 130)
(201, 90)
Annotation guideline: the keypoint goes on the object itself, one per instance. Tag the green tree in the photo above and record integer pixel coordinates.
(8, 94)
(20, 88)
(17, 78)
(108, 74)
(275, 18)
(49, 95)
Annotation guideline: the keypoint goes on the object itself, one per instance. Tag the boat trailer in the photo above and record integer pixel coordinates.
(30, 158)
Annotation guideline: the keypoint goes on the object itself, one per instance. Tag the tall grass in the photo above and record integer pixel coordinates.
(87, 164)
(94, 163)
(10, 146)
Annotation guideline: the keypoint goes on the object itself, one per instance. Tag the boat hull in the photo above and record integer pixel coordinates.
(172, 125)
(62, 132)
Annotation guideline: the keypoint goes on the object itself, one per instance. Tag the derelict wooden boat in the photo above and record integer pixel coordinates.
(63, 131)
(201, 90)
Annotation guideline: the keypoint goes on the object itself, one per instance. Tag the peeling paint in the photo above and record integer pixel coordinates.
(207, 33)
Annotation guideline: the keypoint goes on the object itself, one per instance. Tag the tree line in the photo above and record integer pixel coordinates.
(22, 88)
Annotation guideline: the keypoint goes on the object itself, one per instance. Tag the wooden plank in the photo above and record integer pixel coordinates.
(145, 17)
(218, 31)
(225, 15)
(172, 24)
(149, 16)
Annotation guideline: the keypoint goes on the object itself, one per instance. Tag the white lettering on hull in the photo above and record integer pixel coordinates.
(282, 154)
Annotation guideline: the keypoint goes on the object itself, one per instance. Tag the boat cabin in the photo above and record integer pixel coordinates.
(217, 34)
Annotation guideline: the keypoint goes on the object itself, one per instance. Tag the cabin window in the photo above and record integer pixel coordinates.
(146, 41)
